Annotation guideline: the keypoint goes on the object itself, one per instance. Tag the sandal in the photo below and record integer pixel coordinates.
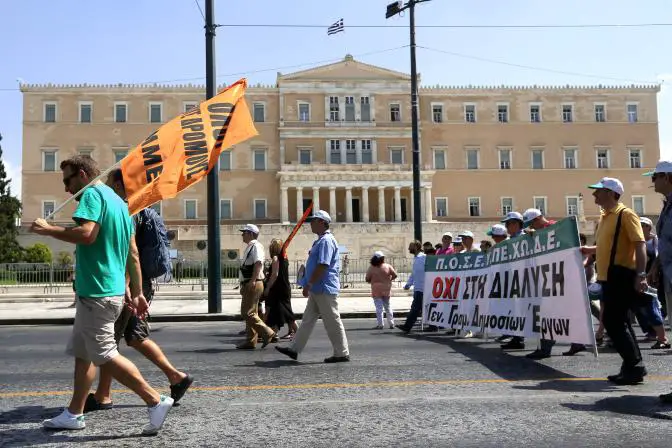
(288, 336)
(661, 345)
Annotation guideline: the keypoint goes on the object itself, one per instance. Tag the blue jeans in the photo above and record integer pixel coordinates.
(416, 310)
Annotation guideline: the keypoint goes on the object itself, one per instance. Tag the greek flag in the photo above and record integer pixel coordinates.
(337, 27)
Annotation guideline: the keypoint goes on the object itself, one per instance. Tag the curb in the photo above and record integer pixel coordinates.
(163, 318)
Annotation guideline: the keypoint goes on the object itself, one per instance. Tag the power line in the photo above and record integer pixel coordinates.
(560, 26)
(199, 8)
(541, 69)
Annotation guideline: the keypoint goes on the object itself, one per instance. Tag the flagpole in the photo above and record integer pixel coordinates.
(214, 240)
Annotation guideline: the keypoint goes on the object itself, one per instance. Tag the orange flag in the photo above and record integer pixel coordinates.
(182, 151)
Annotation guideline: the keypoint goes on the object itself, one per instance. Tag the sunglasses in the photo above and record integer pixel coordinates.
(66, 180)
(656, 176)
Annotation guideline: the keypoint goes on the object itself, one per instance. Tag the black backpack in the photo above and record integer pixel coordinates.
(151, 238)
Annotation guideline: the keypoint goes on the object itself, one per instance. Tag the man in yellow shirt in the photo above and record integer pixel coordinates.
(621, 269)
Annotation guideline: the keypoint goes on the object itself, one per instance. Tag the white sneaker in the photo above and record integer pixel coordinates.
(65, 420)
(468, 335)
(157, 415)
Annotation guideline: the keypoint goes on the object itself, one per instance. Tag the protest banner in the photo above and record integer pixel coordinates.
(532, 286)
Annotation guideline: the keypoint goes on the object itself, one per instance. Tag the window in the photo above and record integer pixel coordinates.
(120, 112)
(333, 109)
(188, 105)
(638, 205)
(335, 152)
(305, 156)
(48, 208)
(85, 112)
(259, 113)
(225, 209)
(600, 113)
(472, 159)
(535, 113)
(260, 209)
(259, 160)
(157, 208)
(567, 113)
(49, 160)
(397, 156)
(367, 153)
(190, 209)
(470, 113)
(503, 113)
(365, 108)
(441, 206)
(633, 115)
(437, 113)
(537, 159)
(155, 112)
(395, 112)
(49, 112)
(603, 158)
(540, 204)
(304, 112)
(85, 152)
(350, 108)
(351, 152)
(507, 206)
(119, 154)
(225, 161)
(635, 158)
(439, 159)
(570, 159)
(572, 205)
(504, 159)
(474, 206)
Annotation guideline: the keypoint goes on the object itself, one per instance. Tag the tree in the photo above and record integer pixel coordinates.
(10, 210)
(38, 253)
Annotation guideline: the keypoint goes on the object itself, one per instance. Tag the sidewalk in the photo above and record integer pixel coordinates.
(179, 306)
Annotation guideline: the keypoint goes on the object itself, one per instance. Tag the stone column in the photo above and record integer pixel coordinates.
(344, 153)
(365, 204)
(428, 204)
(381, 204)
(299, 203)
(397, 204)
(284, 208)
(332, 203)
(348, 204)
(316, 198)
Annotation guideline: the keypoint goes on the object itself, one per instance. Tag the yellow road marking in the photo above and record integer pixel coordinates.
(332, 385)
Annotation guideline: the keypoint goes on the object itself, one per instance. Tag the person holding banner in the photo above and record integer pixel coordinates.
(417, 281)
(514, 224)
(446, 244)
(497, 233)
(467, 237)
(621, 268)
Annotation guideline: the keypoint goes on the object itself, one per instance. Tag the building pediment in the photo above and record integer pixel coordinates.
(346, 70)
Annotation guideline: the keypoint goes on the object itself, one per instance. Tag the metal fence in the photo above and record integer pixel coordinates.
(188, 274)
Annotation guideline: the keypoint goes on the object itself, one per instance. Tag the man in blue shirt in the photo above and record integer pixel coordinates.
(321, 285)
(417, 281)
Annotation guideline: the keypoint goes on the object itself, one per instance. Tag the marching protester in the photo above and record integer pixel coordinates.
(446, 244)
(498, 233)
(152, 249)
(103, 236)
(514, 224)
(321, 285)
(621, 262)
(661, 177)
(251, 288)
(278, 292)
(467, 237)
(457, 245)
(381, 275)
(428, 248)
(417, 281)
(485, 246)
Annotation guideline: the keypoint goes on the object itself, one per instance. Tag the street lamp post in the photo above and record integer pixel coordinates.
(392, 10)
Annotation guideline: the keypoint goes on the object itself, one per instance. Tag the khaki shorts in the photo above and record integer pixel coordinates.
(93, 332)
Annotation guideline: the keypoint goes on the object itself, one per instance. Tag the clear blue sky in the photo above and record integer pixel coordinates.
(150, 40)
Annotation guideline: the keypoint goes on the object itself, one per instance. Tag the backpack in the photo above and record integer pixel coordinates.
(151, 238)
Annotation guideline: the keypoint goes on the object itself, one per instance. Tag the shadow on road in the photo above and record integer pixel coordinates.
(40, 436)
(212, 351)
(639, 405)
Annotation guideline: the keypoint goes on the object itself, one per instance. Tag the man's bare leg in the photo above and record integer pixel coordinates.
(104, 391)
(153, 352)
(85, 373)
(128, 374)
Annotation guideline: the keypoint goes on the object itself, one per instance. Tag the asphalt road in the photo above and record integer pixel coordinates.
(425, 390)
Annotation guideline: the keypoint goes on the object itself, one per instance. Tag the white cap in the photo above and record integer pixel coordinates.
(321, 215)
(457, 240)
(609, 183)
(378, 254)
(448, 234)
(513, 216)
(250, 228)
(466, 234)
(663, 166)
(497, 230)
(531, 214)
(646, 221)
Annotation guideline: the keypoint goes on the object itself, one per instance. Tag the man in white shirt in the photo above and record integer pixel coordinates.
(417, 281)
(468, 241)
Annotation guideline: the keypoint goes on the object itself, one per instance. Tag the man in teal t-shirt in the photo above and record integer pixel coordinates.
(105, 252)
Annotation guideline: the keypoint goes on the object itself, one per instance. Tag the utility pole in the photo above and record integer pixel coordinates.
(214, 240)
(392, 10)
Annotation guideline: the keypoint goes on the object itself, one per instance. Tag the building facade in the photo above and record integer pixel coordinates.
(340, 135)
